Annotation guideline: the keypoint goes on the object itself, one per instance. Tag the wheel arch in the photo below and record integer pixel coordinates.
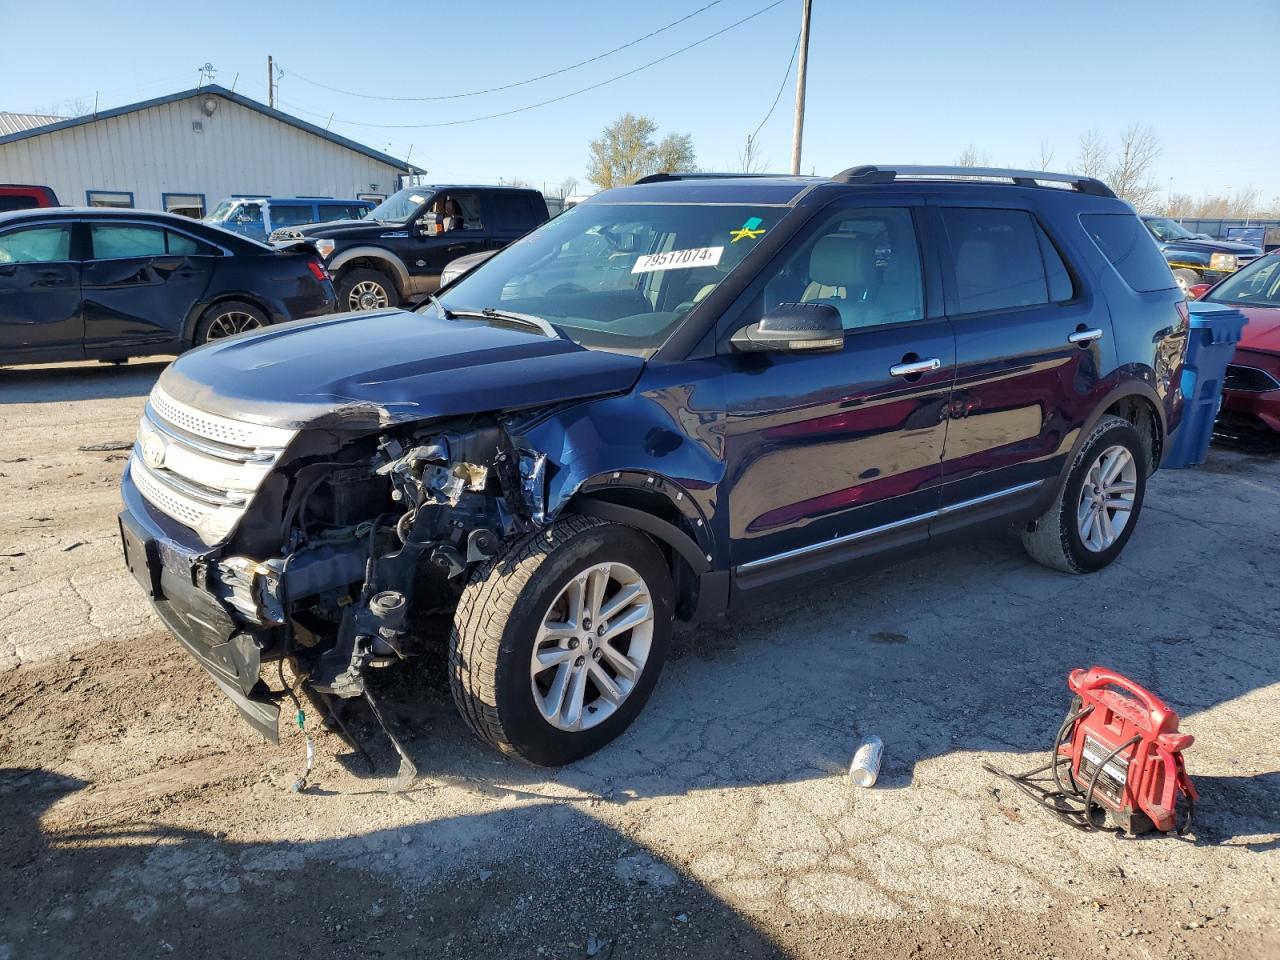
(1139, 404)
(660, 508)
(198, 310)
(371, 258)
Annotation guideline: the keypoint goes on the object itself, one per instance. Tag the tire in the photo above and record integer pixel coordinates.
(1186, 278)
(500, 620)
(366, 289)
(228, 318)
(1056, 540)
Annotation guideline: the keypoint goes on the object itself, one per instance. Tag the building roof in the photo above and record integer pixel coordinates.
(21, 122)
(211, 88)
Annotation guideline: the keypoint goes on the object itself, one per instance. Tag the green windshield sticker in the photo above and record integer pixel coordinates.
(749, 230)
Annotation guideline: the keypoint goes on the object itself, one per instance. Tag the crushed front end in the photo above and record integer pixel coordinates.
(257, 543)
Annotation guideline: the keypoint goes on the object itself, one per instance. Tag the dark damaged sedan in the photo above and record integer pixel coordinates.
(100, 284)
(670, 396)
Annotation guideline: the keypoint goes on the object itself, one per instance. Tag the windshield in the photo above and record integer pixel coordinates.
(1166, 230)
(617, 275)
(221, 212)
(400, 206)
(1256, 284)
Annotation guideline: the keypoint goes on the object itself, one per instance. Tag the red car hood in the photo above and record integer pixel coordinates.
(1262, 333)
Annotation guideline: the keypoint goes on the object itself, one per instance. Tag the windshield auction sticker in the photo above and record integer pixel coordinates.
(678, 259)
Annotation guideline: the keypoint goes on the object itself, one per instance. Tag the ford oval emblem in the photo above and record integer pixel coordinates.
(153, 451)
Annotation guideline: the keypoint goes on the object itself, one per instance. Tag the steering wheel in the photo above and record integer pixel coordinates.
(567, 288)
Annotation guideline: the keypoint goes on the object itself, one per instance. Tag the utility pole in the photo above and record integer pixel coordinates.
(271, 82)
(802, 70)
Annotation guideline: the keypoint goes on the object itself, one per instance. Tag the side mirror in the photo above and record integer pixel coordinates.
(1198, 290)
(428, 225)
(792, 327)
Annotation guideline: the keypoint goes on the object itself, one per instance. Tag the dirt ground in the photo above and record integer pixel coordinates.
(139, 817)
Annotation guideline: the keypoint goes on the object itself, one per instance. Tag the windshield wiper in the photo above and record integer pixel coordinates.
(523, 319)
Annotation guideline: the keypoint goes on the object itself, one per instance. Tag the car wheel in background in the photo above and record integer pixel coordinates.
(1098, 506)
(1186, 279)
(366, 290)
(228, 318)
(557, 644)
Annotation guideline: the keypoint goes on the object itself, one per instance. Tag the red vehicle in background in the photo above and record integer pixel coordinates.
(20, 196)
(1251, 387)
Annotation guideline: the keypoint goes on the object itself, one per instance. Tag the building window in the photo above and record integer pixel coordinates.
(108, 198)
(184, 204)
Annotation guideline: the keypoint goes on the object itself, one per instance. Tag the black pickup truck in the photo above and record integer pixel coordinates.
(395, 254)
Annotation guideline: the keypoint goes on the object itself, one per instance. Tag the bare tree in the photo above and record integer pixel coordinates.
(970, 157)
(1129, 173)
(568, 187)
(1044, 160)
(625, 152)
(1094, 155)
(71, 107)
(750, 160)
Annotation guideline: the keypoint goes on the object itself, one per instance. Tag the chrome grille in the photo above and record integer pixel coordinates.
(199, 468)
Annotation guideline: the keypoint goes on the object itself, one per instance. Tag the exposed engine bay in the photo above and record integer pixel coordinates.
(369, 532)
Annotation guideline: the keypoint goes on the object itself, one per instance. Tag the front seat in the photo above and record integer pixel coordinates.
(842, 273)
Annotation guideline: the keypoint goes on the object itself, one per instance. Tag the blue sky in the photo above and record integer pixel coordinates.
(887, 82)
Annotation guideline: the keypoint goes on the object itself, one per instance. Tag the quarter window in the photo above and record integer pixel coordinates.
(866, 264)
(1128, 245)
(36, 245)
(999, 259)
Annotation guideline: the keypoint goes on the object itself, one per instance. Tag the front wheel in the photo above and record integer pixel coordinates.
(365, 289)
(557, 645)
(1098, 506)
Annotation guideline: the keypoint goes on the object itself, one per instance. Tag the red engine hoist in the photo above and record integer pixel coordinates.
(1119, 749)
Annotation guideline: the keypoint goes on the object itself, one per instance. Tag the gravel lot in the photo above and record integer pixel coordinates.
(140, 817)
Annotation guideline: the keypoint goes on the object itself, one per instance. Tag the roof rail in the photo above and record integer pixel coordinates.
(660, 177)
(1022, 178)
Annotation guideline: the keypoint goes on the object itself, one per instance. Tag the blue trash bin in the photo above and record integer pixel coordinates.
(1211, 342)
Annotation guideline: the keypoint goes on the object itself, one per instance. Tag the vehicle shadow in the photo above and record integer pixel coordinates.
(964, 651)
(136, 887)
(79, 381)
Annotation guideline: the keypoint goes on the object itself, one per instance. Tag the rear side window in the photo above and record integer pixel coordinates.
(120, 242)
(15, 202)
(1128, 245)
(510, 211)
(1001, 259)
(292, 214)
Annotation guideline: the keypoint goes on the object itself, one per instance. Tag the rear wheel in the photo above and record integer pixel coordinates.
(557, 645)
(1098, 506)
(228, 318)
(366, 289)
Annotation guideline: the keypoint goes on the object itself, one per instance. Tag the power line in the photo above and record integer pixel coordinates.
(782, 86)
(544, 103)
(507, 86)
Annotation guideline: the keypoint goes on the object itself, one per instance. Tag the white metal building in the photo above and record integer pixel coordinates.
(187, 151)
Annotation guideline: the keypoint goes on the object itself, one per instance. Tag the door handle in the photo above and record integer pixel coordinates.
(914, 368)
(1081, 337)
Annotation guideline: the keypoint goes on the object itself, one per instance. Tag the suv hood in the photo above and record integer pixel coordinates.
(343, 228)
(369, 370)
(1213, 246)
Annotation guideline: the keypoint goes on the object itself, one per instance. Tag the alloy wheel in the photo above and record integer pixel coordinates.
(592, 646)
(368, 295)
(1107, 498)
(230, 323)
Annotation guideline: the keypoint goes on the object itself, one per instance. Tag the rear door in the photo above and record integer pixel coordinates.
(834, 455)
(39, 292)
(1032, 348)
(140, 283)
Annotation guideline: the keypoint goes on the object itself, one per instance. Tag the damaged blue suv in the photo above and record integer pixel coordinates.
(670, 396)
